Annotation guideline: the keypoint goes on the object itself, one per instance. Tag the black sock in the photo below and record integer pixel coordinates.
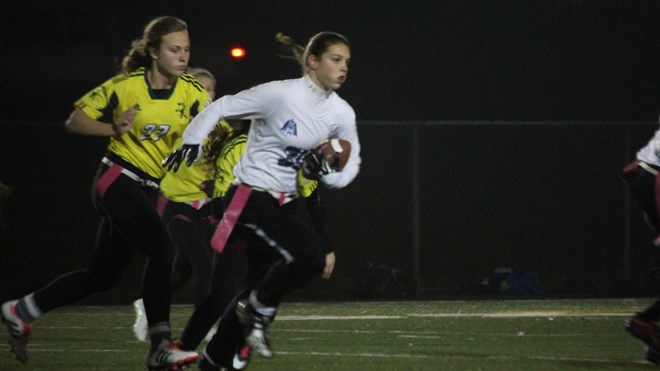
(159, 334)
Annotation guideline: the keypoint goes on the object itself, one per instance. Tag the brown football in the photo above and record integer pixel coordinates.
(335, 152)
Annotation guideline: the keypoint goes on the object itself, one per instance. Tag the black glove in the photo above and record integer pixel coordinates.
(187, 151)
(312, 165)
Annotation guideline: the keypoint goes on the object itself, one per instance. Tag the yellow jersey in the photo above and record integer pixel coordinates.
(161, 117)
(185, 185)
(229, 156)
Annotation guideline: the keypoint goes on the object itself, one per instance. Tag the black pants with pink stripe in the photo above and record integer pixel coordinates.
(283, 254)
(129, 223)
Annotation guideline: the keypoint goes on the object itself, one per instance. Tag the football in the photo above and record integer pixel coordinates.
(334, 151)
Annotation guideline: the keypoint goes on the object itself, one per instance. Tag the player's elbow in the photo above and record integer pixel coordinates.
(70, 123)
(340, 179)
(67, 125)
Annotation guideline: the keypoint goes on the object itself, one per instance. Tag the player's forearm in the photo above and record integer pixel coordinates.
(80, 123)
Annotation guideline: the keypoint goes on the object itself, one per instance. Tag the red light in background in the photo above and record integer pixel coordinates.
(237, 52)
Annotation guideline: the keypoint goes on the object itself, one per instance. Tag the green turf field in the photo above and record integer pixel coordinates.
(415, 335)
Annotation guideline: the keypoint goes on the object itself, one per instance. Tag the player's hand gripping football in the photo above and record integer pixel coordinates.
(325, 158)
(315, 166)
(188, 152)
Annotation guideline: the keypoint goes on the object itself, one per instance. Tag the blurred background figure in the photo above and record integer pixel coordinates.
(642, 176)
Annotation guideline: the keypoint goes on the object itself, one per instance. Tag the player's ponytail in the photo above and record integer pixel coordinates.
(137, 57)
(293, 51)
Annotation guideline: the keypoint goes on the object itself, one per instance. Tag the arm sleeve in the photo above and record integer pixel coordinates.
(254, 103)
(317, 213)
(100, 102)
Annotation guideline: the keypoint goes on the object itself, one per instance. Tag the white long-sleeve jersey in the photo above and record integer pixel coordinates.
(650, 153)
(288, 118)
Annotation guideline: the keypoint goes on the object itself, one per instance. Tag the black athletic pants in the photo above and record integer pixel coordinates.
(227, 269)
(190, 229)
(646, 188)
(283, 254)
(129, 223)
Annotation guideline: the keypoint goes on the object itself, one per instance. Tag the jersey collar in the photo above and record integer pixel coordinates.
(163, 94)
(314, 89)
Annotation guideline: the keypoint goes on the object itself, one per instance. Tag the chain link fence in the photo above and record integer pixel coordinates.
(437, 207)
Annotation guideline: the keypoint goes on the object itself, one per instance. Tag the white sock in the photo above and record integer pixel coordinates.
(259, 307)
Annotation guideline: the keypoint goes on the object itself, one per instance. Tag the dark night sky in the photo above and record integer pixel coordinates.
(453, 60)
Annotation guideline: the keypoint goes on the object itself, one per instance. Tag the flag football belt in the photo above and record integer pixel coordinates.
(281, 197)
(647, 167)
(234, 210)
(130, 174)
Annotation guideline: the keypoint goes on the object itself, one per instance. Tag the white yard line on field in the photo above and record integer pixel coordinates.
(476, 356)
(317, 317)
(46, 350)
(441, 315)
(520, 314)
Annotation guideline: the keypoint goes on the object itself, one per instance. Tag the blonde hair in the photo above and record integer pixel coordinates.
(198, 71)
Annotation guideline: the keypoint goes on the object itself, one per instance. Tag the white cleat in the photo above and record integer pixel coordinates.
(141, 326)
(242, 357)
(259, 342)
(254, 328)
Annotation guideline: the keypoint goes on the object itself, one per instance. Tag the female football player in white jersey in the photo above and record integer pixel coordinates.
(289, 118)
(143, 110)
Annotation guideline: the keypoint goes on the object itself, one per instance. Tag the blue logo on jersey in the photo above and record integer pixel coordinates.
(290, 128)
